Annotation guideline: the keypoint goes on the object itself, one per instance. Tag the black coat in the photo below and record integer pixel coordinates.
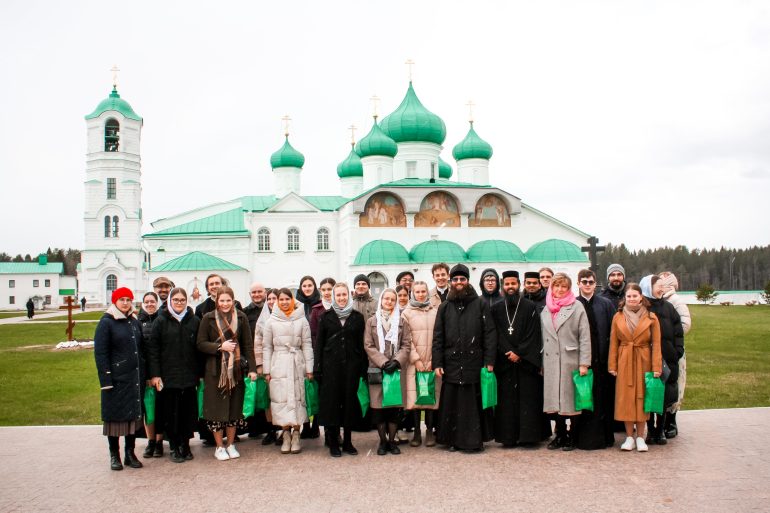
(671, 331)
(603, 311)
(464, 339)
(146, 321)
(613, 295)
(252, 312)
(339, 362)
(538, 298)
(120, 365)
(172, 350)
(526, 340)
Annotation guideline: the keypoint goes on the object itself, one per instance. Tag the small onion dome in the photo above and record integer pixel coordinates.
(376, 143)
(116, 103)
(472, 147)
(351, 166)
(444, 169)
(287, 156)
(412, 122)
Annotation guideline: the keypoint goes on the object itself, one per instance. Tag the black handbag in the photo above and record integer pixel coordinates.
(374, 376)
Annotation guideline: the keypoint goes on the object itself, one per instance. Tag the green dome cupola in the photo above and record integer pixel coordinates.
(472, 147)
(115, 103)
(444, 169)
(412, 122)
(351, 166)
(287, 156)
(376, 143)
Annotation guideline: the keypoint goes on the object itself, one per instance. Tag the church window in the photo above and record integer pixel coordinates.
(112, 188)
(112, 284)
(11, 300)
(48, 300)
(323, 239)
(411, 169)
(107, 221)
(111, 135)
(11, 284)
(35, 283)
(263, 239)
(47, 283)
(292, 243)
(114, 226)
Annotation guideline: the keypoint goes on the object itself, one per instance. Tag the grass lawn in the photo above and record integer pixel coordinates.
(727, 367)
(8, 315)
(89, 316)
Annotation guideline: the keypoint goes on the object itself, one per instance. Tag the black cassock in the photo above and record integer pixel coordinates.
(519, 417)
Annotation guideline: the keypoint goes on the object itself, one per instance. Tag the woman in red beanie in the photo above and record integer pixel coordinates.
(119, 362)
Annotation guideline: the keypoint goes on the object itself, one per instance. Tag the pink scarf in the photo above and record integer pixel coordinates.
(554, 305)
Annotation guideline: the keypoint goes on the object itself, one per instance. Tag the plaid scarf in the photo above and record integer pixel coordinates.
(227, 331)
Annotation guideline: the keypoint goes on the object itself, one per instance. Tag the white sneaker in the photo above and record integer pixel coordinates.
(221, 454)
(233, 452)
(641, 445)
(628, 445)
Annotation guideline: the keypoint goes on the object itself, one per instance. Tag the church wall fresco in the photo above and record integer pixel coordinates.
(438, 209)
(383, 210)
(490, 210)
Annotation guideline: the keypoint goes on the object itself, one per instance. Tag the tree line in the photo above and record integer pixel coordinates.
(69, 257)
(723, 268)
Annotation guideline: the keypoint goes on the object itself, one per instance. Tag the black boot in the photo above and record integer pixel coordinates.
(270, 437)
(115, 463)
(149, 450)
(670, 428)
(333, 441)
(129, 458)
(347, 444)
(392, 444)
(186, 452)
(573, 434)
(417, 438)
(430, 434)
(158, 449)
(175, 451)
(560, 437)
(382, 449)
(306, 431)
(661, 421)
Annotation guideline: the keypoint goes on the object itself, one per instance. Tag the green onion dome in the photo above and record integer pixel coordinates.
(444, 169)
(412, 122)
(351, 166)
(376, 143)
(287, 156)
(472, 147)
(116, 103)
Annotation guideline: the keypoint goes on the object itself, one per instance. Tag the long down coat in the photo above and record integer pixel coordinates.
(287, 353)
(566, 346)
(421, 322)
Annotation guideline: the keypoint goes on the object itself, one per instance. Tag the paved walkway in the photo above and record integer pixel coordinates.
(720, 463)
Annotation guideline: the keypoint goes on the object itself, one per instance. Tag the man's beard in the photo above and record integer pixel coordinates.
(617, 285)
(459, 291)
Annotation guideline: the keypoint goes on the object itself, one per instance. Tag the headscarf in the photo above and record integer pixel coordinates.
(670, 284)
(555, 305)
(290, 309)
(418, 304)
(343, 312)
(392, 334)
(646, 285)
(175, 315)
(308, 301)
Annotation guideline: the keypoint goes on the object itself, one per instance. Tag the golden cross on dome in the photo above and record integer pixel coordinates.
(410, 63)
(114, 70)
(375, 103)
(286, 120)
(352, 129)
(470, 105)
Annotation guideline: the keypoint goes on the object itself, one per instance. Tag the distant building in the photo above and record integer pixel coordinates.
(42, 281)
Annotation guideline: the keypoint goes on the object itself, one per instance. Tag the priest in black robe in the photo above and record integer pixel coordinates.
(519, 417)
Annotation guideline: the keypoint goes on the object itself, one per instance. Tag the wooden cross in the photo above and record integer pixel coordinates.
(352, 129)
(470, 105)
(410, 63)
(286, 119)
(70, 323)
(593, 250)
(114, 70)
(375, 102)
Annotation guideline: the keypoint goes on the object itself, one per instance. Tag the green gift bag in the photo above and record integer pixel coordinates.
(262, 394)
(488, 389)
(311, 397)
(149, 405)
(584, 390)
(363, 396)
(249, 398)
(426, 388)
(200, 399)
(654, 391)
(391, 389)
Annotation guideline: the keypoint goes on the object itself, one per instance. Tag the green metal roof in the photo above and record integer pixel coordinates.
(433, 251)
(114, 103)
(351, 166)
(31, 268)
(226, 223)
(555, 250)
(376, 143)
(257, 203)
(439, 183)
(326, 203)
(495, 251)
(197, 261)
(287, 156)
(380, 252)
(412, 122)
(444, 169)
(472, 147)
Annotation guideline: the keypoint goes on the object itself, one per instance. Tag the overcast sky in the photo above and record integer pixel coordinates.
(639, 122)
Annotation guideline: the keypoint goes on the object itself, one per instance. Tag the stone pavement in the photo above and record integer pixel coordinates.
(720, 463)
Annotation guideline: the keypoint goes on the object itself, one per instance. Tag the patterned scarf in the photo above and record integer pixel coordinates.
(227, 331)
(555, 305)
(391, 333)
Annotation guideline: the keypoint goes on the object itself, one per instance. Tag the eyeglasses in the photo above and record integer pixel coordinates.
(177, 300)
(459, 279)
(490, 278)
(587, 282)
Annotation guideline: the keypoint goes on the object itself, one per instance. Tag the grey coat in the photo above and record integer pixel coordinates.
(565, 348)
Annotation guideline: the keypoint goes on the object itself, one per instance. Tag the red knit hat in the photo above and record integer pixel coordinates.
(122, 292)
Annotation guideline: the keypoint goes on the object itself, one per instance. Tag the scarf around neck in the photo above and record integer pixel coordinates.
(418, 304)
(343, 312)
(383, 319)
(633, 317)
(327, 304)
(175, 315)
(555, 305)
(291, 308)
(228, 331)
(117, 314)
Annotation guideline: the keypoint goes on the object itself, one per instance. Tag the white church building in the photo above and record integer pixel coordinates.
(400, 207)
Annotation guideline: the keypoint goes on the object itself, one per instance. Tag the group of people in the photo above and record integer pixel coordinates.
(415, 354)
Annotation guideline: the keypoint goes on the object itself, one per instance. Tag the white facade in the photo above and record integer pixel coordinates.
(40, 281)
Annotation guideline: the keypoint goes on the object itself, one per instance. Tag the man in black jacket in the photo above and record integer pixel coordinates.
(616, 284)
(533, 289)
(464, 341)
(213, 283)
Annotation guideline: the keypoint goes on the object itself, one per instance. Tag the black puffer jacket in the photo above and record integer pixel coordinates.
(146, 321)
(120, 365)
(671, 331)
(464, 338)
(172, 350)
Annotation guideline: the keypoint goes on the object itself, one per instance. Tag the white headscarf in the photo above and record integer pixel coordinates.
(392, 334)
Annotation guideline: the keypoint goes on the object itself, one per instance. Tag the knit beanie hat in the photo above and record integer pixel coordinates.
(361, 277)
(613, 268)
(122, 292)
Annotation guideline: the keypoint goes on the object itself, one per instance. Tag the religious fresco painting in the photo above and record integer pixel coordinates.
(438, 209)
(490, 211)
(383, 210)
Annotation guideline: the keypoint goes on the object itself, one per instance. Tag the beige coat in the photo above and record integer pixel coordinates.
(631, 355)
(434, 298)
(566, 346)
(421, 322)
(377, 359)
(288, 354)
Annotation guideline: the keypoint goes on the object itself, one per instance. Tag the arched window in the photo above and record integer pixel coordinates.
(323, 239)
(292, 239)
(111, 135)
(112, 284)
(107, 230)
(263, 239)
(114, 226)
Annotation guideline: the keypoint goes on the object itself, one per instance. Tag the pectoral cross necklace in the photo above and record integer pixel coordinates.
(508, 318)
